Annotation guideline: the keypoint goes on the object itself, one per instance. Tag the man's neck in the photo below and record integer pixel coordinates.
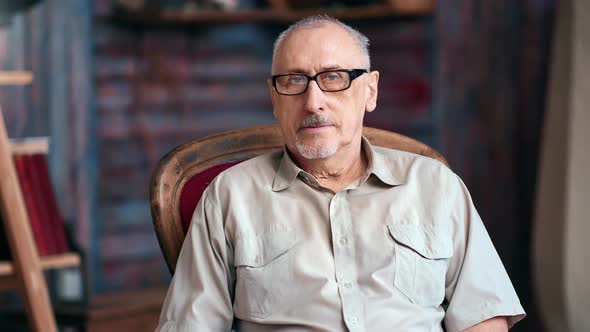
(336, 172)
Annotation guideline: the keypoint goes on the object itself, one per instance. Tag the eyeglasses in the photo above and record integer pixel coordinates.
(328, 81)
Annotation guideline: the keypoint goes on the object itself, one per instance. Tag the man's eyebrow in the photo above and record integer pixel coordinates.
(302, 71)
(295, 71)
(332, 67)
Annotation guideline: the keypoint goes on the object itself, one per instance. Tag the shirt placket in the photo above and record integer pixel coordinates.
(345, 266)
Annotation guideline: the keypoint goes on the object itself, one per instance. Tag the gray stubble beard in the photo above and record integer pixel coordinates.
(314, 151)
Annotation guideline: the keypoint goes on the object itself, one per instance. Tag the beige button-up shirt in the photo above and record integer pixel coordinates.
(401, 249)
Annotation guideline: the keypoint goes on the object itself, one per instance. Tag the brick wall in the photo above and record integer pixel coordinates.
(158, 87)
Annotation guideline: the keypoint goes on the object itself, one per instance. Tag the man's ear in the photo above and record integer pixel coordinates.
(372, 90)
(271, 91)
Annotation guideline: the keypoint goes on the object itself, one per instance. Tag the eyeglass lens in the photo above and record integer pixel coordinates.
(327, 81)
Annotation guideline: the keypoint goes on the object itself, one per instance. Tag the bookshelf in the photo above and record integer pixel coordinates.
(47, 262)
(277, 13)
(25, 271)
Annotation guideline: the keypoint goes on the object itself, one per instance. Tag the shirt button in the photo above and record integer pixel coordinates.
(343, 241)
(353, 320)
(347, 285)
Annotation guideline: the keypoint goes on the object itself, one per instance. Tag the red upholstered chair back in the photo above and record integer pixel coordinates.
(183, 174)
(193, 190)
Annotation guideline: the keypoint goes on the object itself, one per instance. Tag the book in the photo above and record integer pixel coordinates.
(40, 203)
(23, 169)
(55, 220)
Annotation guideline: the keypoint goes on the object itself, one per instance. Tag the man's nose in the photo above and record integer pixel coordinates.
(315, 98)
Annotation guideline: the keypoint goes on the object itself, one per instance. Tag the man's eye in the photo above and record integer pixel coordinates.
(332, 77)
(295, 79)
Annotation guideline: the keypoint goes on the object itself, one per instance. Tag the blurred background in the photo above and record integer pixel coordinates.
(116, 84)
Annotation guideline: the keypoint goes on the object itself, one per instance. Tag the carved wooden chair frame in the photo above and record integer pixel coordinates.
(183, 162)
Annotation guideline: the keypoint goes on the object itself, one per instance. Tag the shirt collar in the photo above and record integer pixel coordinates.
(286, 173)
(379, 165)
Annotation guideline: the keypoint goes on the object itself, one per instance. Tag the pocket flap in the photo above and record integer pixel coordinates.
(257, 250)
(430, 242)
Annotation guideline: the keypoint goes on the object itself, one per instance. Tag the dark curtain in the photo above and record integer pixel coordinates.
(490, 85)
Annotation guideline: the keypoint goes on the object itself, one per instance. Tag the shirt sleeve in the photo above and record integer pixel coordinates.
(478, 287)
(200, 296)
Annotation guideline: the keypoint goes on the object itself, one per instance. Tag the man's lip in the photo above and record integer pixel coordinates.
(322, 126)
(315, 127)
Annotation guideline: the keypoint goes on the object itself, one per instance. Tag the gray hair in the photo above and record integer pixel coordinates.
(318, 21)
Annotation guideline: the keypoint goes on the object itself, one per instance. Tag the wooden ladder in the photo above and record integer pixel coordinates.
(25, 271)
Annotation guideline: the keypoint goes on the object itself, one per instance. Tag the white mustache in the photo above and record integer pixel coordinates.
(315, 120)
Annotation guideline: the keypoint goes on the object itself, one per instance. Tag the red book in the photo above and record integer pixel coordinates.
(26, 184)
(55, 218)
(40, 200)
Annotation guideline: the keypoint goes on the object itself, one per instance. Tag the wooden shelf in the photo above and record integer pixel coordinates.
(397, 8)
(29, 145)
(16, 77)
(47, 262)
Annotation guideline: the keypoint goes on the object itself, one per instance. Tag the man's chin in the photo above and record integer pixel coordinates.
(315, 151)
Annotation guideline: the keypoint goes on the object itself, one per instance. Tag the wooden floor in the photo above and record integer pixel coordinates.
(126, 311)
(132, 311)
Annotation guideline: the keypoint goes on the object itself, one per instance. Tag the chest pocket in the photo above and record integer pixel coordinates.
(263, 272)
(421, 260)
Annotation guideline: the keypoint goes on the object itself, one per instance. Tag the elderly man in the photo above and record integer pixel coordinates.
(333, 234)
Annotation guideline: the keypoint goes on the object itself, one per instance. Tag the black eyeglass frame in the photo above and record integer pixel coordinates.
(352, 73)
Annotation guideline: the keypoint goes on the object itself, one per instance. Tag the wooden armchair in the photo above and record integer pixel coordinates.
(183, 174)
